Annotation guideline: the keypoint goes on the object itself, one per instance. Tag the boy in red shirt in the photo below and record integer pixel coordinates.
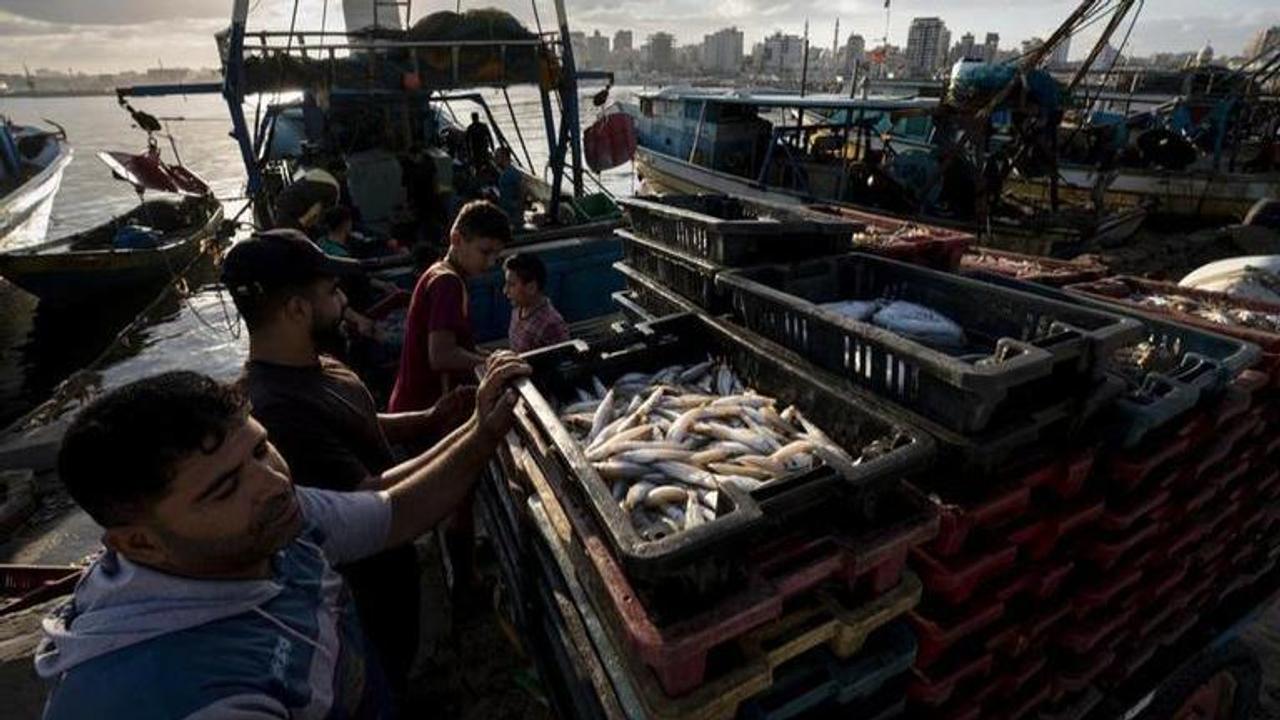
(439, 350)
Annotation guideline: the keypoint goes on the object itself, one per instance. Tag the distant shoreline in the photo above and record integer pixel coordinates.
(57, 93)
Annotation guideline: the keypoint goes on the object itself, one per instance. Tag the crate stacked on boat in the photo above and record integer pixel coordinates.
(645, 299)
(1030, 268)
(912, 242)
(707, 615)
(684, 241)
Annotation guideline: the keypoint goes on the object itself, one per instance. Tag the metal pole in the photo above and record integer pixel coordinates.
(569, 98)
(232, 92)
(516, 124)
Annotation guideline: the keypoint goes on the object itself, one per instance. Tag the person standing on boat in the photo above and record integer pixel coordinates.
(323, 419)
(479, 145)
(510, 190)
(535, 322)
(439, 351)
(216, 596)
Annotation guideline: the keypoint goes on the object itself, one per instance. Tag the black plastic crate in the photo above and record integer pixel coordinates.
(699, 554)
(732, 232)
(1198, 365)
(687, 276)
(651, 300)
(1023, 351)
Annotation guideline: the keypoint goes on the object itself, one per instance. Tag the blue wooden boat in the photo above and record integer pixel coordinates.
(92, 264)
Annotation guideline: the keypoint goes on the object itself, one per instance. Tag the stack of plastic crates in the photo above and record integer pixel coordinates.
(792, 602)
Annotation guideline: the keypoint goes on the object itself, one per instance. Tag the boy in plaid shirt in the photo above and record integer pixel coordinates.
(534, 322)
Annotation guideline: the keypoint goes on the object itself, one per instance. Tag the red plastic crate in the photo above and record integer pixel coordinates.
(1129, 659)
(1079, 674)
(1178, 541)
(938, 633)
(1119, 516)
(1106, 552)
(1038, 539)
(1083, 638)
(1020, 676)
(1224, 441)
(933, 246)
(954, 580)
(1037, 582)
(1066, 476)
(1030, 268)
(956, 521)
(1099, 594)
(1073, 706)
(1129, 470)
(1016, 636)
(934, 686)
(1035, 694)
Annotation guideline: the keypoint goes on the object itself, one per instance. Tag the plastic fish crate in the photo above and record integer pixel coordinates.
(1043, 270)
(687, 661)
(941, 628)
(1119, 290)
(628, 302)
(732, 232)
(700, 557)
(653, 299)
(819, 678)
(1044, 350)
(936, 685)
(1037, 538)
(1036, 582)
(958, 517)
(1027, 630)
(954, 580)
(1106, 551)
(689, 277)
(1084, 638)
(1200, 365)
(908, 241)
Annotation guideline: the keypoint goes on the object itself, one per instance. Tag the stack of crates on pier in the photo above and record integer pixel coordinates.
(1106, 474)
(792, 602)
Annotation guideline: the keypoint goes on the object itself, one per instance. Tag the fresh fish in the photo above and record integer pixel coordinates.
(675, 514)
(598, 386)
(619, 490)
(584, 396)
(695, 372)
(731, 434)
(665, 494)
(582, 406)
(652, 455)
(601, 419)
(613, 470)
(798, 447)
(919, 323)
(713, 454)
(743, 469)
(602, 450)
(686, 474)
(636, 494)
(692, 512)
(745, 484)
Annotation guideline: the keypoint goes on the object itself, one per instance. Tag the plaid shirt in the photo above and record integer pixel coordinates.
(537, 327)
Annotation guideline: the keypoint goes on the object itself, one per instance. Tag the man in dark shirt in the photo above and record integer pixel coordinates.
(479, 144)
(323, 419)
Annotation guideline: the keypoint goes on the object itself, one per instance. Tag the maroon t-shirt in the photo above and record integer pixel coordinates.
(439, 303)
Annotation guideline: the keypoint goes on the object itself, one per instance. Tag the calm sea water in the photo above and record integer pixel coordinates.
(194, 329)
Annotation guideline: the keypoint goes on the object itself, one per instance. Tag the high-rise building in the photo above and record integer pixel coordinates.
(782, 54)
(1107, 57)
(597, 50)
(661, 52)
(854, 50)
(928, 42)
(1059, 56)
(622, 41)
(578, 40)
(722, 51)
(966, 49)
(991, 47)
(1266, 39)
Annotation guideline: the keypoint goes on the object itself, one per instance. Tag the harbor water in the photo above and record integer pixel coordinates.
(195, 327)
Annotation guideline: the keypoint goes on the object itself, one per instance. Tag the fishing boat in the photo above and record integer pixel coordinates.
(380, 121)
(873, 155)
(31, 164)
(140, 250)
(1211, 150)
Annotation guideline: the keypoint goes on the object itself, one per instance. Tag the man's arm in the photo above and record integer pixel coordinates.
(444, 354)
(417, 428)
(433, 490)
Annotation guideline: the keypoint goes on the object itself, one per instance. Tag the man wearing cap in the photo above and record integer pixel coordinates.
(323, 419)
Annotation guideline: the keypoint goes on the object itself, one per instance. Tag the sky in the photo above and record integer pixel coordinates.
(115, 35)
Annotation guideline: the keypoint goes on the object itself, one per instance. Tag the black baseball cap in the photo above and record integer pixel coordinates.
(279, 258)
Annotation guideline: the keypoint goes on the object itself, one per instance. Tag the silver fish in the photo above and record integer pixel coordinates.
(664, 495)
(613, 470)
(603, 413)
(636, 494)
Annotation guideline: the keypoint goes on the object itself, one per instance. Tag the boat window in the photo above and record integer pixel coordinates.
(692, 110)
(646, 107)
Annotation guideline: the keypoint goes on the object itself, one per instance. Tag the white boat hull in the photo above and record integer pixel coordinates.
(24, 213)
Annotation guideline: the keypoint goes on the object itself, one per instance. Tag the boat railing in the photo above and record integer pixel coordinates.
(290, 60)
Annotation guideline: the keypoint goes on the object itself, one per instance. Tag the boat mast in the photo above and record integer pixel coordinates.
(569, 121)
(233, 93)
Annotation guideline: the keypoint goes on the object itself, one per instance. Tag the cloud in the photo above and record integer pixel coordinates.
(115, 12)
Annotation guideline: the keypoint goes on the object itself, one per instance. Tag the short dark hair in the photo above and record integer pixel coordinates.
(475, 117)
(528, 267)
(256, 309)
(337, 216)
(483, 219)
(120, 452)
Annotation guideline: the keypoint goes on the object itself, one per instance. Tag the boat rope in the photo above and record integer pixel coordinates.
(516, 124)
(324, 17)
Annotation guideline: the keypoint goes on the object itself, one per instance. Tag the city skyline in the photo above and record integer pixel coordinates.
(100, 37)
